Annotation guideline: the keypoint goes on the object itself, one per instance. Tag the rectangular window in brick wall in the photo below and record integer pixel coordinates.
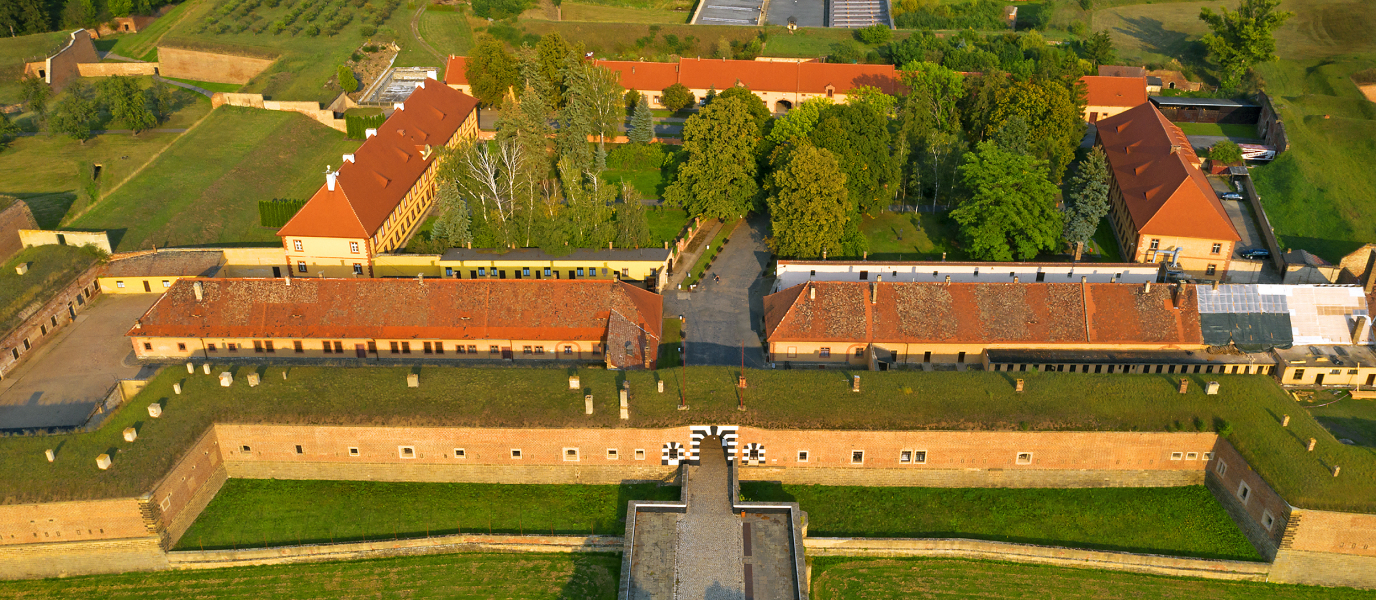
(1177, 455)
(802, 456)
(406, 451)
(611, 454)
(460, 453)
(516, 453)
(245, 449)
(1244, 491)
(1221, 468)
(570, 455)
(1208, 456)
(1024, 458)
(353, 451)
(1267, 520)
(1191, 456)
(639, 454)
(300, 450)
(857, 457)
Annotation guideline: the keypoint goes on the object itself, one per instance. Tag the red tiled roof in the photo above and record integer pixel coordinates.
(444, 309)
(761, 76)
(385, 167)
(1155, 168)
(1114, 91)
(1121, 71)
(1017, 313)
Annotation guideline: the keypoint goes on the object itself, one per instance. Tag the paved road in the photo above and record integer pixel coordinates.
(708, 550)
(62, 382)
(724, 315)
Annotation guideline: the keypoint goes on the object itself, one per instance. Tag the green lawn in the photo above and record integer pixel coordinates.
(210, 86)
(1177, 521)
(450, 576)
(671, 340)
(1156, 32)
(649, 182)
(1247, 132)
(15, 51)
(911, 236)
(666, 223)
(1104, 245)
(812, 42)
(270, 512)
(50, 268)
(205, 188)
(897, 400)
(143, 45)
(446, 32)
(1346, 417)
(839, 578)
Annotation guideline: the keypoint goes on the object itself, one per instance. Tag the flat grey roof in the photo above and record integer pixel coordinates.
(538, 255)
(1122, 357)
(1182, 101)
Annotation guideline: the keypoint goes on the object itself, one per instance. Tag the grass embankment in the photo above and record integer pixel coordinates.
(1179, 521)
(50, 268)
(497, 397)
(449, 576)
(205, 188)
(836, 578)
(16, 51)
(911, 236)
(710, 253)
(143, 45)
(270, 512)
(1347, 418)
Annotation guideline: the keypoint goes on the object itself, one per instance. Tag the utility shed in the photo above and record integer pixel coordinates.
(1207, 110)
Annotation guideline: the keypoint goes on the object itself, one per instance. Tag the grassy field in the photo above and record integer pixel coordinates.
(50, 268)
(898, 400)
(670, 345)
(666, 222)
(1346, 417)
(1230, 130)
(210, 86)
(270, 512)
(15, 51)
(911, 236)
(573, 11)
(875, 579)
(1104, 245)
(449, 576)
(812, 42)
(1179, 521)
(649, 182)
(205, 188)
(143, 45)
(1156, 32)
(447, 32)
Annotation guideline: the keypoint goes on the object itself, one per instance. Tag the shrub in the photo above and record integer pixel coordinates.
(638, 156)
(312, 30)
(875, 34)
(1225, 152)
(677, 96)
(357, 126)
(367, 31)
(347, 81)
(1223, 427)
(847, 51)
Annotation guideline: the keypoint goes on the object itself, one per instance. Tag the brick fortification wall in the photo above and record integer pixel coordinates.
(57, 539)
(50, 317)
(184, 492)
(63, 67)
(1328, 548)
(14, 217)
(208, 66)
(1255, 507)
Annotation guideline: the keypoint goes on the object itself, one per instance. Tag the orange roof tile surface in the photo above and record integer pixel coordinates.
(443, 309)
(1114, 91)
(1028, 313)
(760, 76)
(385, 167)
(1156, 169)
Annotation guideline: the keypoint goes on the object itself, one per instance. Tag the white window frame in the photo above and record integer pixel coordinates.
(353, 451)
(401, 452)
(1244, 492)
(1268, 520)
(166, 283)
(922, 454)
(640, 454)
(296, 244)
(353, 247)
(804, 456)
(1177, 456)
(612, 454)
(119, 284)
(516, 454)
(1191, 456)
(460, 453)
(857, 462)
(572, 452)
(1018, 458)
(1208, 456)
(1221, 468)
(905, 456)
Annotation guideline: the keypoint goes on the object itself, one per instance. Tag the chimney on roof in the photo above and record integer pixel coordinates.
(432, 75)
(824, 255)
(369, 132)
(1146, 288)
(1015, 279)
(811, 292)
(1215, 285)
(138, 323)
(348, 158)
(399, 105)
(1176, 292)
(330, 177)
(609, 245)
(199, 290)
(1175, 148)
(420, 85)
(948, 280)
(874, 292)
(288, 277)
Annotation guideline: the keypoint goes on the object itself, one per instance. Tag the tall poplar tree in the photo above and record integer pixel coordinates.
(1087, 202)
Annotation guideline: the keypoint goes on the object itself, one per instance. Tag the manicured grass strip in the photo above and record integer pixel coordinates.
(812, 399)
(1177, 521)
(211, 86)
(50, 268)
(837, 578)
(272, 512)
(205, 188)
(911, 236)
(671, 344)
(449, 576)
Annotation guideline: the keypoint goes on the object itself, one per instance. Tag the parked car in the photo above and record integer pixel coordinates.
(1256, 253)
(1230, 196)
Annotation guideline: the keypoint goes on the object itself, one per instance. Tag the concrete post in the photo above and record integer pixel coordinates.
(1310, 448)
(1019, 386)
(177, 388)
(1336, 469)
(661, 386)
(190, 368)
(855, 384)
(206, 368)
(587, 404)
(574, 383)
(103, 461)
(413, 380)
(254, 379)
(130, 434)
(1211, 388)
(625, 406)
(623, 399)
(155, 410)
(226, 379)
(52, 456)
(284, 374)
(1285, 421)
(1184, 385)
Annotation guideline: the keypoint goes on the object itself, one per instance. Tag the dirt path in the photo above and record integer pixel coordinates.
(415, 32)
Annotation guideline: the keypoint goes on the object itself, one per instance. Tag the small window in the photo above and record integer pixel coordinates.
(859, 352)
(482, 272)
(460, 453)
(439, 347)
(525, 271)
(1221, 468)
(300, 266)
(857, 457)
(358, 268)
(460, 348)
(920, 457)
(181, 346)
(824, 353)
(296, 244)
(1299, 374)
(1267, 520)
(267, 345)
(516, 454)
(472, 349)
(793, 352)
(611, 454)
(428, 348)
(1191, 456)
(119, 284)
(146, 345)
(568, 350)
(166, 283)
(353, 451)
(325, 347)
(1244, 491)
(539, 349)
(1216, 249)
(905, 456)
(1177, 455)
(1211, 269)
(210, 347)
(232, 347)
(525, 350)
(580, 271)
(406, 347)
(570, 455)
(1155, 244)
(864, 275)
(493, 350)
(1208, 456)
(299, 449)
(245, 449)
(1024, 458)
(406, 451)
(353, 247)
(547, 272)
(802, 456)
(639, 454)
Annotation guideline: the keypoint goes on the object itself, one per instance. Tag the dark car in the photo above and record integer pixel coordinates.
(1256, 253)
(1230, 196)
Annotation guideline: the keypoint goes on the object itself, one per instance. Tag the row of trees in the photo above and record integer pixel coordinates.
(23, 17)
(113, 100)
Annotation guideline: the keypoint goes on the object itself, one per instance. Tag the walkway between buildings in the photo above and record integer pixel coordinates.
(709, 563)
(723, 317)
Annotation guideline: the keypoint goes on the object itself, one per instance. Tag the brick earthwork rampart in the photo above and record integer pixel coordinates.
(63, 559)
(13, 218)
(196, 65)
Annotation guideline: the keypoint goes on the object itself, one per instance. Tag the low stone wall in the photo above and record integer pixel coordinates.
(1044, 555)
(973, 478)
(64, 559)
(122, 69)
(198, 65)
(1328, 548)
(214, 559)
(53, 237)
(311, 109)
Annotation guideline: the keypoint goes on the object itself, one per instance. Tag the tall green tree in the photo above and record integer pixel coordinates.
(347, 81)
(1054, 114)
(1225, 152)
(453, 228)
(928, 117)
(718, 177)
(127, 104)
(642, 122)
(872, 97)
(799, 122)
(7, 130)
(161, 100)
(758, 111)
(1239, 40)
(1087, 201)
(79, 13)
(808, 208)
(491, 72)
(120, 8)
(677, 97)
(1013, 135)
(632, 224)
(35, 93)
(1011, 213)
(552, 52)
(75, 113)
(859, 138)
(1098, 49)
(594, 94)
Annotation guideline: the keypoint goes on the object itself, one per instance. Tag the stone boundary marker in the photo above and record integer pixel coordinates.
(214, 559)
(1046, 555)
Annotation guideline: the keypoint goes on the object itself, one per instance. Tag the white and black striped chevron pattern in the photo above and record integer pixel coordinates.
(672, 454)
(728, 439)
(752, 454)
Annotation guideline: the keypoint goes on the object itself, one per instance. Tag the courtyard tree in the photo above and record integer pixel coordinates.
(552, 52)
(1239, 40)
(1054, 115)
(1225, 152)
(453, 228)
(858, 136)
(7, 130)
(798, 122)
(1011, 213)
(594, 96)
(492, 72)
(1087, 200)
(160, 100)
(872, 97)
(677, 97)
(127, 103)
(808, 208)
(632, 224)
(75, 113)
(718, 177)
(753, 104)
(642, 122)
